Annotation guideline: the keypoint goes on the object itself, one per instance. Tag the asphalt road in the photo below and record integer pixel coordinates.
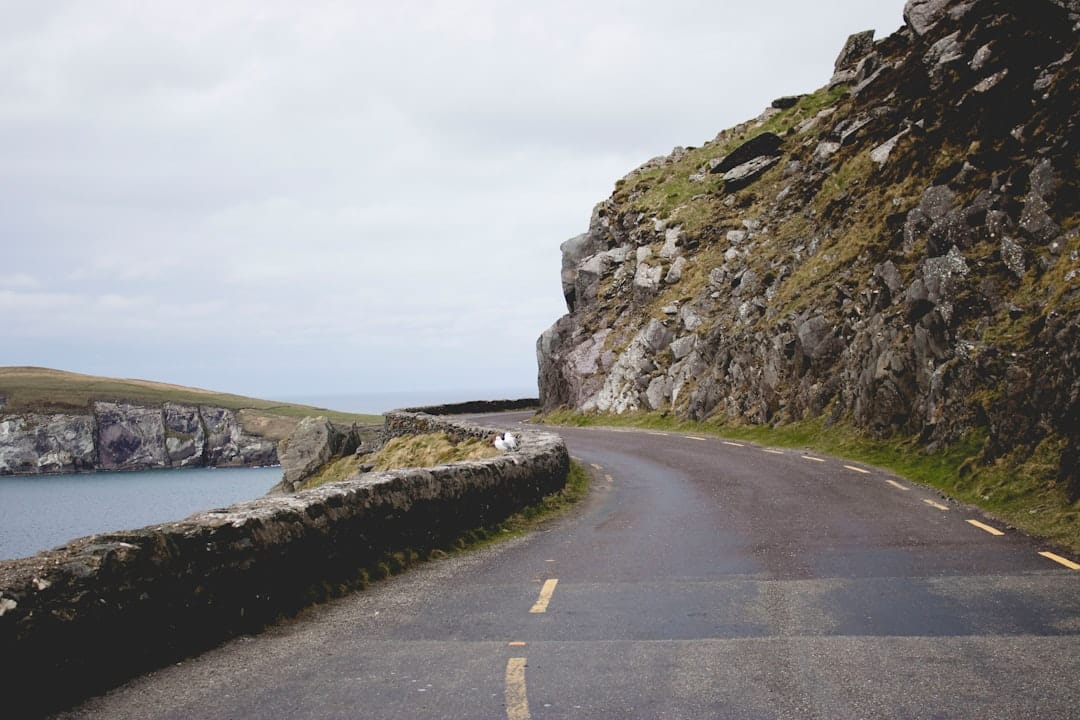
(700, 579)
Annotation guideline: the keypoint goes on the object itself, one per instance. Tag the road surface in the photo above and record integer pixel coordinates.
(700, 579)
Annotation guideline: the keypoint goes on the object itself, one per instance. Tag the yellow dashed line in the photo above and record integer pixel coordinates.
(693, 437)
(1060, 560)
(897, 485)
(811, 457)
(733, 444)
(517, 701)
(987, 528)
(516, 643)
(857, 469)
(774, 452)
(936, 505)
(541, 603)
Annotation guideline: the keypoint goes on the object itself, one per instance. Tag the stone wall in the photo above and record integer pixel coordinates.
(85, 616)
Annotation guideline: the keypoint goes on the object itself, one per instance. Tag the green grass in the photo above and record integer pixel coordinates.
(42, 390)
(428, 450)
(1022, 490)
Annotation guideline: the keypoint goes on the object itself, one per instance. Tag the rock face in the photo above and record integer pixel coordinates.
(900, 252)
(311, 446)
(123, 436)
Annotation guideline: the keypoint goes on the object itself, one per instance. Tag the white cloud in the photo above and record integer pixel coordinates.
(331, 196)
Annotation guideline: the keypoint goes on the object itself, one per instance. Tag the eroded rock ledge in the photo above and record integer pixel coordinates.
(128, 436)
(100, 609)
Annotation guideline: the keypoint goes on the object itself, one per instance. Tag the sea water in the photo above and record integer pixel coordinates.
(39, 512)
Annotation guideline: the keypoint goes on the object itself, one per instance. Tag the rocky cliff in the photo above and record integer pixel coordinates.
(124, 436)
(898, 251)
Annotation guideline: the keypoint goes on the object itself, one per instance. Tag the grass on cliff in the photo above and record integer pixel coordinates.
(43, 390)
(1023, 492)
(408, 451)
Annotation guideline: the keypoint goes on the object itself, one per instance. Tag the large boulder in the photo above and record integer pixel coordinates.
(313, 444)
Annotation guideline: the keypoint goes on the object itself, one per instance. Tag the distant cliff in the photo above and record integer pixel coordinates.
(125, 436)
(898, 251)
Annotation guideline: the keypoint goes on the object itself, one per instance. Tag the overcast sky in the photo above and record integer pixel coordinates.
(284, 198)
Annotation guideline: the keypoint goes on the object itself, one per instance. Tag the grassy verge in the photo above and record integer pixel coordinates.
(1021, 491)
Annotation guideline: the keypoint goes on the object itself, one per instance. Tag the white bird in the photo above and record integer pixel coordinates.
(500, 444)
(510, 441)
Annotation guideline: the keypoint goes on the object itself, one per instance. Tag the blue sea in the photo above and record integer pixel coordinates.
(39, 512)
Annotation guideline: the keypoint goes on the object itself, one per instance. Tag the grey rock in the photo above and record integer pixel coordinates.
(816, 337)
(880, 154)
(787, 101)
(1035, 219)
(675, 272)
(857, 46)
(890, 275)
(574, 251)
(922, 15)
(982, 57)
(185, 437)
(41, 443)
(825, 150)
(130, 437)
(673, 238)
(656, 336)
(314, 442)
(743, 175)
(647, 277)
(658, 394)
(989, 83)
(1013, 256)
(940, 275)
(764, 145)
(681, 347)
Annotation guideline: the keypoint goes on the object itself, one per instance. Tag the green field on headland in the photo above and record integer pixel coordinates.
(42, 390)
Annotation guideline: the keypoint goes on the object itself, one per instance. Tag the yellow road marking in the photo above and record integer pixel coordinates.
(545, 596)
(857, 469)
(897, 485)
(516, 643)
(936, 505)
(811, 457)
(733, 444)
(596, 467)
(693, 437)
(517, 702)
(1058, 559)
(987, 528)
(774, 452)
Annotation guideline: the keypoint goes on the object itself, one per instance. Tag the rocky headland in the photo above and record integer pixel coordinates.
(125, 436)
(898, 252)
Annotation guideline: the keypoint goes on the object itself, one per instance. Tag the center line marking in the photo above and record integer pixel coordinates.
(693, 437)
(811, 457)
(897, 485)
(857, 469)
(658, 433)
(936, 505)
(774, 452)
(987, 528)
(517, 702)
(733, 444)
(1058, 559)
(541, 603)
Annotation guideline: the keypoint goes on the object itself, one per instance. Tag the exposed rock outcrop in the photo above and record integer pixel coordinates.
(314, 442)
(899, 250)
(126, 436)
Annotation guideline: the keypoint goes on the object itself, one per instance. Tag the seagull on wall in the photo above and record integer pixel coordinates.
(510, 441)
(500, 443)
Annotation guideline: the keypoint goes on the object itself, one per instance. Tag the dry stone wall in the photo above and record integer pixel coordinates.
(82, 617)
